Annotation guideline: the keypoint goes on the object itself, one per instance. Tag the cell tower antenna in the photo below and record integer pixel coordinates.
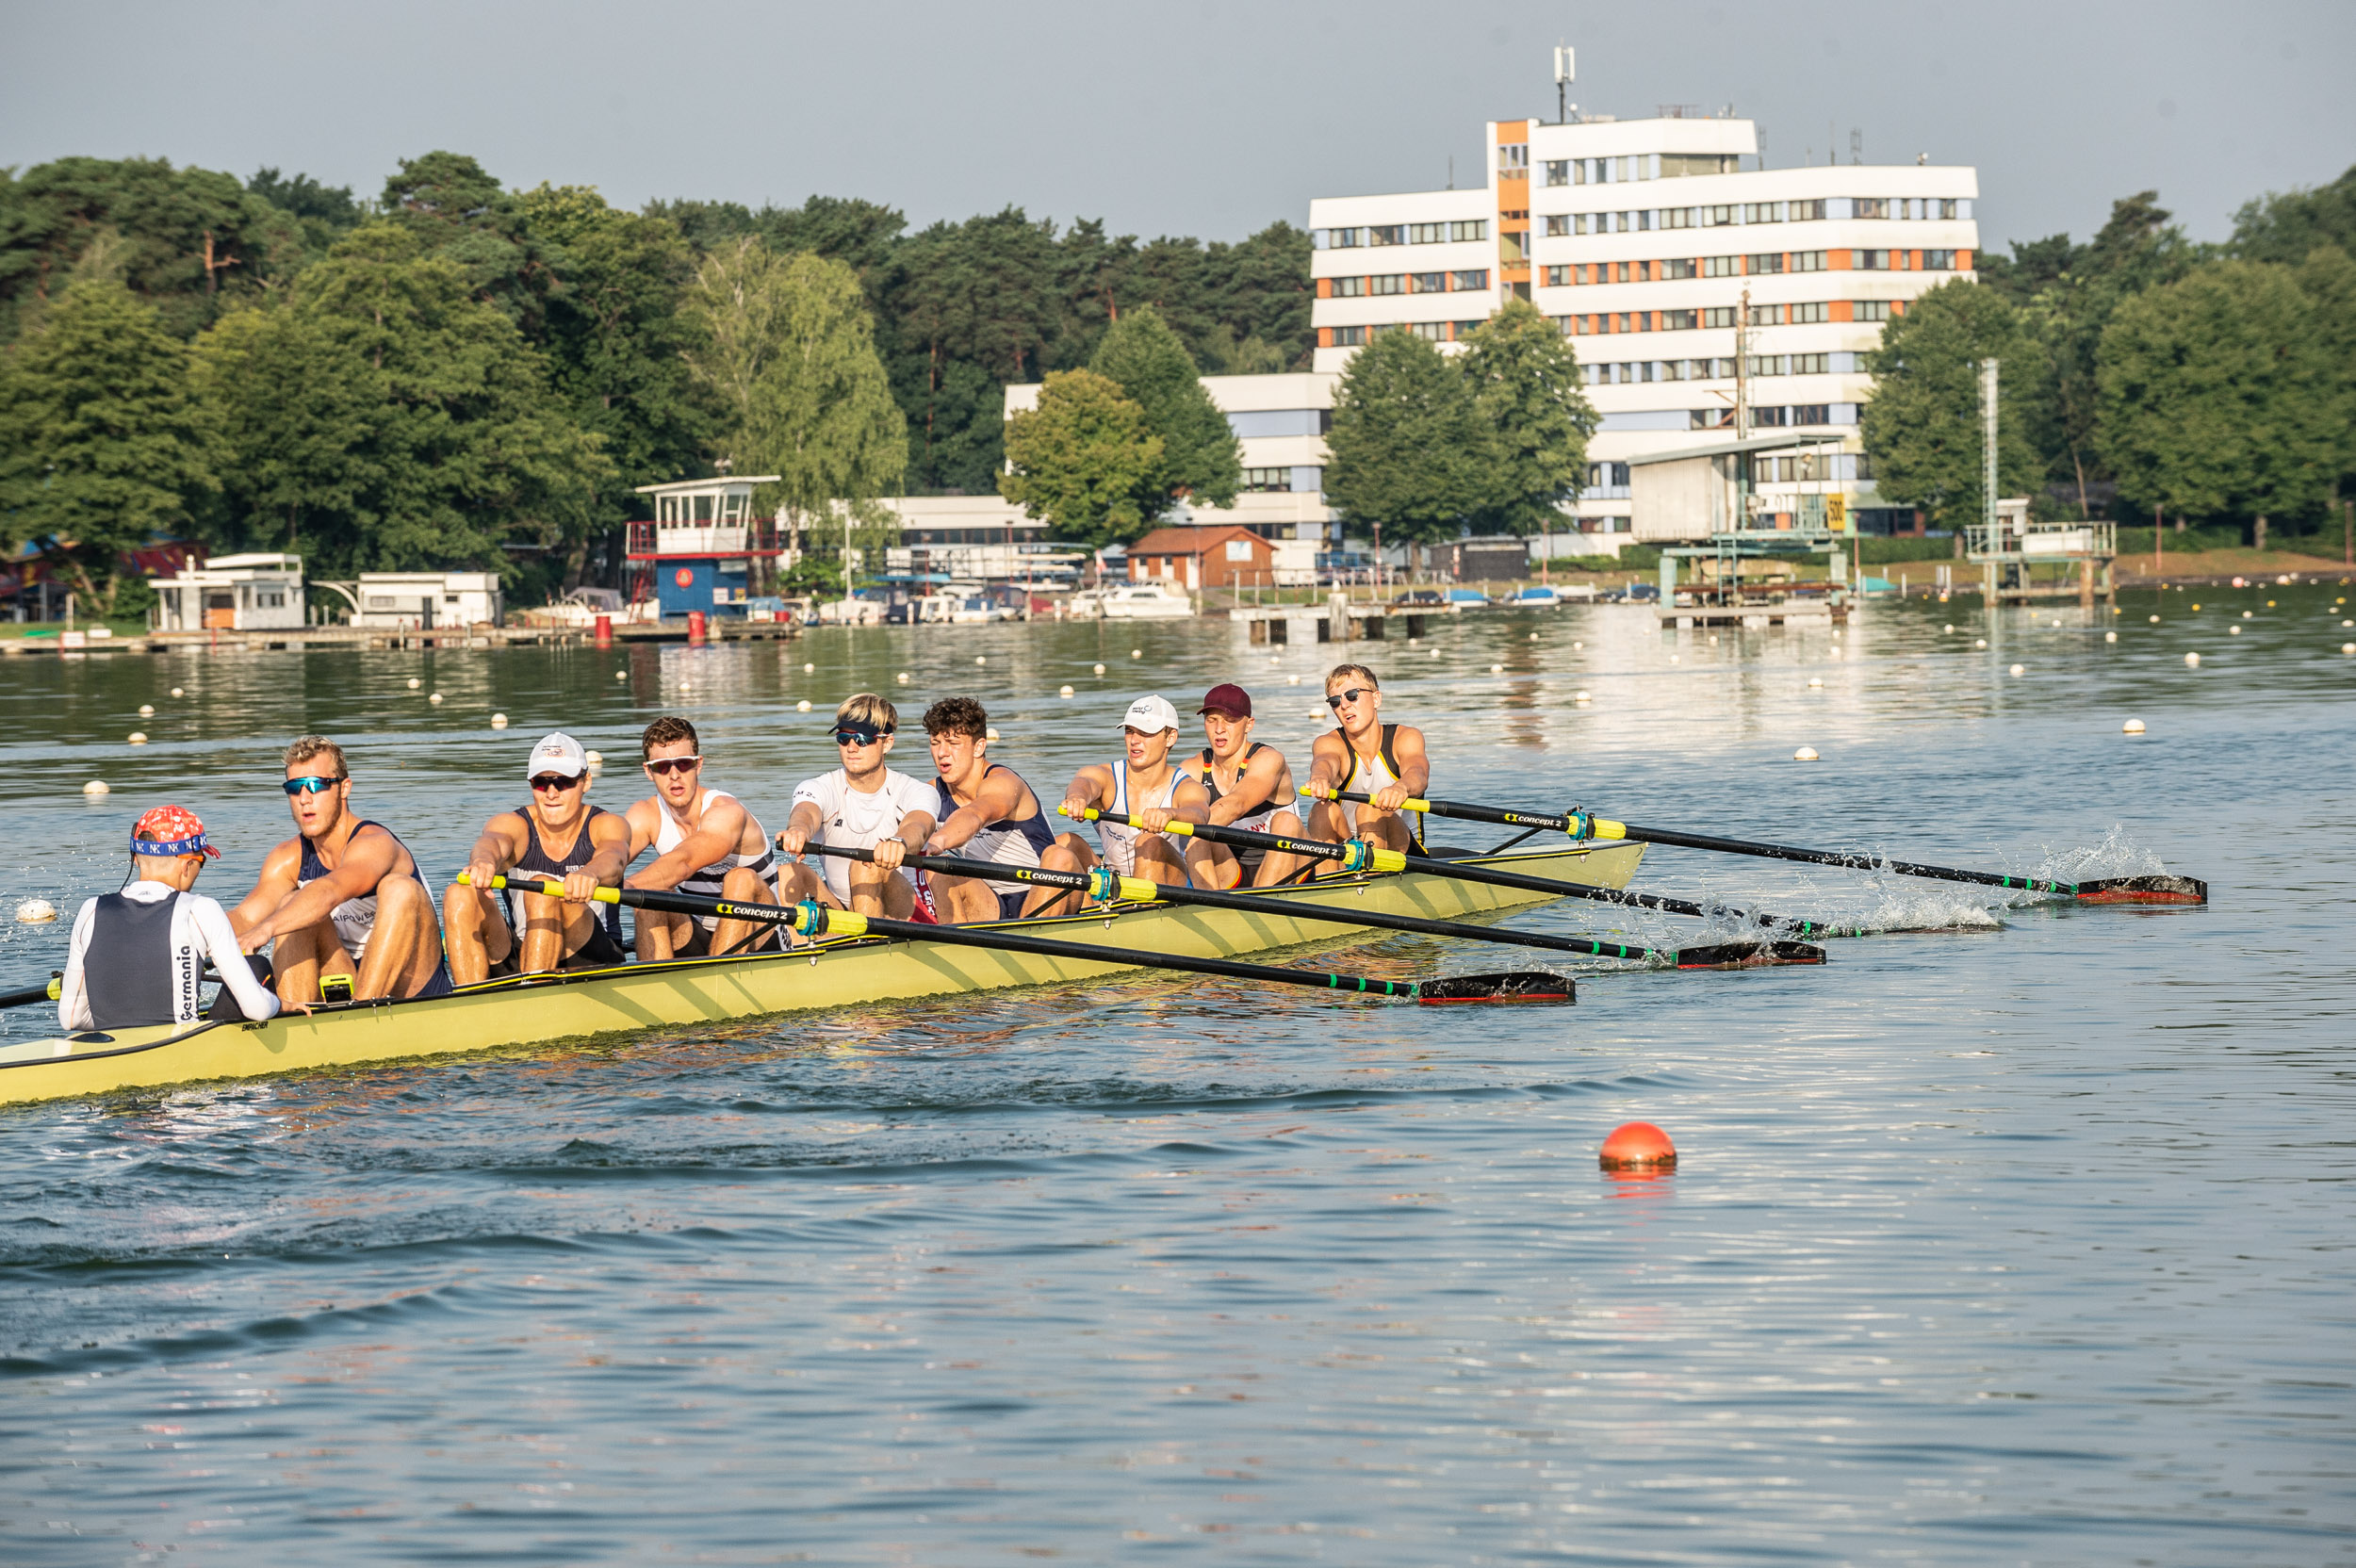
(1565, 72)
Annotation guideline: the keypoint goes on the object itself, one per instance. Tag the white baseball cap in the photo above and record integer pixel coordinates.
(559, 754)
(1150, 716)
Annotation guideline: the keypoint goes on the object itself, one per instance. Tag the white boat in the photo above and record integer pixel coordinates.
(1135, 601)
(580, 608)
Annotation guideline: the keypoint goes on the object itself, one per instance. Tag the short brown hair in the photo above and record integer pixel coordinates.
(1351, 672)
(306, 747)
(662, 733)
(957, 716)
(868, 710)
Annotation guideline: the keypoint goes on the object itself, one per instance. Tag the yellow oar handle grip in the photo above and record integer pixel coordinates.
(1090, 813)
(1139, 889)
(1313, 792)
(1387, 860)
(845, 922)
(1599, 828)
(546, 889)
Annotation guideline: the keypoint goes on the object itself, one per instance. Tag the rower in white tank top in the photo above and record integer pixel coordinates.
(1120, 843)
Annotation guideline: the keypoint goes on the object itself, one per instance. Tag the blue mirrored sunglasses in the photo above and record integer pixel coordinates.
(309, 785)
(849, 736)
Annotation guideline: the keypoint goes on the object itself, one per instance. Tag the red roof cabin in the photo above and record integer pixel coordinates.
(1195, 558)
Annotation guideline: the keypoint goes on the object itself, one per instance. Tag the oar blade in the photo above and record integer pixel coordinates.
(2144, 889)
(1748, 955)
(1529, 985)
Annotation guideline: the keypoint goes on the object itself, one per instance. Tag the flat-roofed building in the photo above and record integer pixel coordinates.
(230, 592)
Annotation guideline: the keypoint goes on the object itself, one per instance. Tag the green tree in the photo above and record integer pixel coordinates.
(1922, 426)
(101, 448)
(1525, 384)
(1082, 459)
(1408, 451)
(324, 212)
(790, 348)
(294, 411)
(2289, 227)
(2216, 400)
(1201, 460)
(457, 209)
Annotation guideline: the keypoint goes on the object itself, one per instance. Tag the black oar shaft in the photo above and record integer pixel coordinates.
(29, 995)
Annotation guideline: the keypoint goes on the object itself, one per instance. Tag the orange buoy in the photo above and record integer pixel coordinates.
(1638, 1146)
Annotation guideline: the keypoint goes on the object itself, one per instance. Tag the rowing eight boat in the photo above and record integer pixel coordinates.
(541, 1009)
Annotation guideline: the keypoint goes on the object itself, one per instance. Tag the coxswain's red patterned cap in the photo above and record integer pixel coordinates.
(170, 830)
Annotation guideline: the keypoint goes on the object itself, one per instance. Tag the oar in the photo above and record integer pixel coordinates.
(1104, 886)
(1357, 856)
(815, 920)
(45, 991)
(1584, 825)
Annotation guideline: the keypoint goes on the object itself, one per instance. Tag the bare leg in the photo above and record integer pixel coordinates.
(1159, 860)
(1069, 852)
(1386, 829)
(1210, 865)
(1325, 822)
(661, 934)
(877, 891)
(553, 931)
(802, 885)
(741, 886)
(474, 932)
(298, 959)
(1275, 866)
(963, 900)
(401, 954)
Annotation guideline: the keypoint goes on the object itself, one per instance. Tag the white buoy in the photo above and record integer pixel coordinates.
(802, 707)
(2155, 620)
(435, 698)
(810, 669)
(1136, 653)
(1575, 646)
(1100, 669)
(2110, 636)
(95, 787)
(2020, 669)
(991, 735)
(2133, 726)
(36, 911)
(1806, 754)
(2348, 647)
(1063, 691)
(1815, 683)
(621, 675)
(139, 737)
(498, 721)
(414, 683)
(596, 759)
(1581, 697)
(981, 658)
(2344, 625)
(1276, 658)
(1497, 669)
(175, 692)
(1836, 634)
(1713, 639)
(147, 710)
(2232, 632)
(902, 677)
(1292, 680)
(2192, 661)
(1946, 629)
(1979, 642)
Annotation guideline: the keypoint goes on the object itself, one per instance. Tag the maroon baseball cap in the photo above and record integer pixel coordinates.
(1227, 698)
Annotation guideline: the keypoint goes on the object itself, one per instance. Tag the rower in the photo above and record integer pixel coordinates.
(1250, 786)
(139, 955)
(1145, 786)
(984, 812)
(343, 899)
(707, 844)
(1368, 757)
(864, 804)
(555, 836)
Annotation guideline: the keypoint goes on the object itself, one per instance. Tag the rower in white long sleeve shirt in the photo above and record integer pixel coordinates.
(138, 955)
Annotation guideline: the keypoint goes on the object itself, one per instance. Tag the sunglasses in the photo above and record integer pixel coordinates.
(1353, 694)
(674, 764)
(310, 785)
(849, 736)
(548, 782)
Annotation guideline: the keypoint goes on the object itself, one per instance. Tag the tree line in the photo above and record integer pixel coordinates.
(454, 373)
(2141, 373)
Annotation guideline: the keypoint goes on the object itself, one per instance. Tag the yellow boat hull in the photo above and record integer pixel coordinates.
(541, 1009)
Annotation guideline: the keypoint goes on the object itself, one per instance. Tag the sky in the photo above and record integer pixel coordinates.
(1210, 118)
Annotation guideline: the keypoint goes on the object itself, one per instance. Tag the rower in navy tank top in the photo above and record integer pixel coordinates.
(1250, 787)
(558, 837)
(986, 812)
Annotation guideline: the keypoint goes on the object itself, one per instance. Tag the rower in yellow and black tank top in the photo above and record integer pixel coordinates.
(1367, 756)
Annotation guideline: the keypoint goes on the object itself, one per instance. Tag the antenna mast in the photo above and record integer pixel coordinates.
(1565, 71)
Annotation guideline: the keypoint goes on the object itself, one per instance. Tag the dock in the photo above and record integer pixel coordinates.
(1336, 621)
(1685, 617)
(297, 639)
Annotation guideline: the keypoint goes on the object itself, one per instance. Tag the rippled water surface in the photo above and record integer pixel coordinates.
(2028, 1244)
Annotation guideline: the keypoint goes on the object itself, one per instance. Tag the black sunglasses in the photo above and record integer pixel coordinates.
(555, 782)
(1353, 694)
(849, 736)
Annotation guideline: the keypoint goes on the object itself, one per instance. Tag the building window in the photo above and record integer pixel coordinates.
(1464, 330)
(1718, 316)
(1869, 207)
(1428, 283)
(1764, 418)
(1558, 277)
(1868, 310)
(1514, 160)
(1426, 234)
(1675, 267)
(1679, 320)
(1387, 234)
(1716, 217)
(1676, 218)
(1812, 365)
(1348, 338)
(1938, 261)
(1720, 266)
(1770, 261)
(1802, 212)
(1771, 364)
(1767, 316)
(1435, 332)
(1348, 288)
(1264, 479)
(1470, 228)
(1870, 261)
(1477, 278)
(1344, 240)
(1808, 261)
(1388, 283)
(1676, 165)
(1811, 414)
(1558, 224)
(1808, 314)
(1762, 212)
(1559, 172)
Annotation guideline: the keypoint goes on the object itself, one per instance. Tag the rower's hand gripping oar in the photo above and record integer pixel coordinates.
(1586, 825)
(1104, 886)
(1355, 854)
(815, 920)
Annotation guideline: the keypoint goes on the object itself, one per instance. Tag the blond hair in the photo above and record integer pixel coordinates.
(868, 712)
(309, 747)
(1351, 672)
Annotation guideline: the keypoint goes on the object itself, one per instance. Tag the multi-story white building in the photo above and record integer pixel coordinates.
(1657, 245)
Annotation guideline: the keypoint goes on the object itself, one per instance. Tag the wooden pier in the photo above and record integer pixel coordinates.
(297, 639)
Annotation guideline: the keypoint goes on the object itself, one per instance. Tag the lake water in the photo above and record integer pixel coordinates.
(2029, 1243)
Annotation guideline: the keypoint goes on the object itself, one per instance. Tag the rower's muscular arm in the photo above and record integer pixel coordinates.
(369, 856)
(916, 827)
(501, 845)
(712, 838)
(609, 836)
(1190, 802)
(1329, 762)
(1091, 786)
(801, 825)
(280, 867)
(1414, 770)
(999, 798)
(1259, 783)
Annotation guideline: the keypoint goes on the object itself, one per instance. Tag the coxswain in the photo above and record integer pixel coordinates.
(865, 803)
(556, 835)
(707, 844)
(139, 955)
(1365, 755)
(342, 900)
(984, 812)
(1250, 786)
(1147, 787)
